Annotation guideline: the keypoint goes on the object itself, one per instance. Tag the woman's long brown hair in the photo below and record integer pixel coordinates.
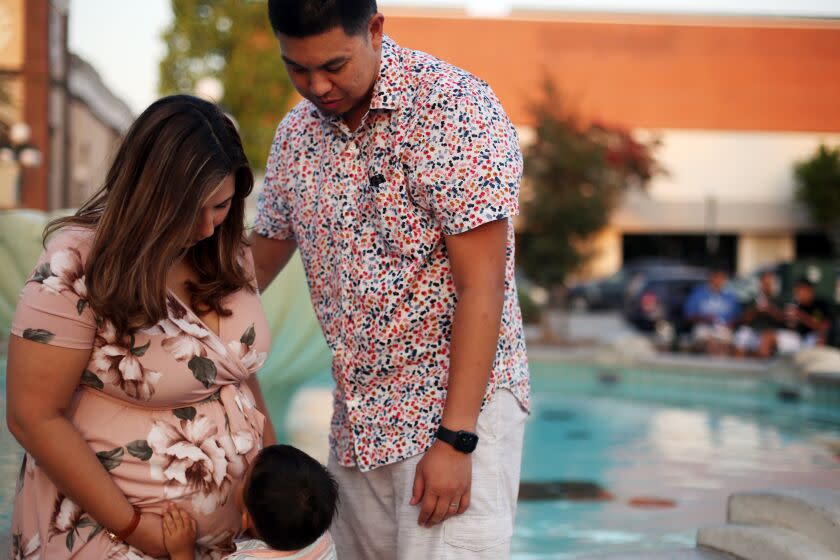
(170, 162)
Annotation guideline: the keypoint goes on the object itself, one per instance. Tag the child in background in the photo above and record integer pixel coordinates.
(288, 501)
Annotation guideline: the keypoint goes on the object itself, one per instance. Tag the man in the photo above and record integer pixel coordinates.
(397, 177)
(761, 318)
(806, 321)
(713, 312)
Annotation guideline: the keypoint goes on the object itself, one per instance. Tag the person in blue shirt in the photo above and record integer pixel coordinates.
(713, 311)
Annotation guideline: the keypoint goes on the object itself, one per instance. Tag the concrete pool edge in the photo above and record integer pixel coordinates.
(815, 364)
(779, 524)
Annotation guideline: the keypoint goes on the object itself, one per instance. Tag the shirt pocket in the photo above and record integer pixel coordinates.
(402, 222)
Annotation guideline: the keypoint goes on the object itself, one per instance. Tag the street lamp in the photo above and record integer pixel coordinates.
(16, 149)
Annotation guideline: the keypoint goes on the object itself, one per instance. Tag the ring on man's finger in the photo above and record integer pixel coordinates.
(454, 505)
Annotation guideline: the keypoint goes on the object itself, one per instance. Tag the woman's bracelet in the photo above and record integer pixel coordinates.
(120, 536)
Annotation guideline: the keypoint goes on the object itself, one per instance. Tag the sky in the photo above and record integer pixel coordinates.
(123, 41)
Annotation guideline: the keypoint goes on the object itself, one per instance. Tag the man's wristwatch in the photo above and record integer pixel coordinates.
(461, 440)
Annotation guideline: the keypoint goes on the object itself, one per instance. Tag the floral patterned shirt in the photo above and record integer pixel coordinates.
(166, 409)
(436, 155)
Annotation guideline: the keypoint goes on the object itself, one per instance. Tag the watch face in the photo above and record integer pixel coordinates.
(466, 442)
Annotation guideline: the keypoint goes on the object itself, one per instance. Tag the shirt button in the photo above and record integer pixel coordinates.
(352, 148)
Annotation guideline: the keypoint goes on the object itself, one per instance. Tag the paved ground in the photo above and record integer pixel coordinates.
(582, 327)
(601, 326)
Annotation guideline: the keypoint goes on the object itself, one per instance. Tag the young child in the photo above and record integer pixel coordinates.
(288, 501)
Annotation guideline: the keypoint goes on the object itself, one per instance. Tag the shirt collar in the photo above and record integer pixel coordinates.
(387, 92)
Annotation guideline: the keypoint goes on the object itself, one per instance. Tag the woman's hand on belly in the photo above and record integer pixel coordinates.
(40, 382)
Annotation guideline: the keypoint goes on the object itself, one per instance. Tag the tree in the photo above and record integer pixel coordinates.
(575, 174)
(818, 189)
(230, 40)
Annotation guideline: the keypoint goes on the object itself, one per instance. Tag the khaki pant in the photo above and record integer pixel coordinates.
(376, 522)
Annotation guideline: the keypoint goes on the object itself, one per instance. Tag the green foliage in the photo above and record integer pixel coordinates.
(230, 40)
(575, 175)
(818, 189)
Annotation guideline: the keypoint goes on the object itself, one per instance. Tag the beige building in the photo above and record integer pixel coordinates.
(98, 119)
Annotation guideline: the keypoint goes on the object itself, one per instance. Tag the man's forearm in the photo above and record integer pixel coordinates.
(270, 257)
(475, 336)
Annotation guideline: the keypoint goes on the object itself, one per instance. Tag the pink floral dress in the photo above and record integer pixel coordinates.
(165, 409)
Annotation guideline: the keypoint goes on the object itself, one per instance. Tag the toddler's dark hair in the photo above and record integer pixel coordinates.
(291, 497)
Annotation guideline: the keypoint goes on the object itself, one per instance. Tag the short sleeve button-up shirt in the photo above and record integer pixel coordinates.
(435, 155)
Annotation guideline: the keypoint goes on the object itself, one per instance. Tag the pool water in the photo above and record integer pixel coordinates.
(686, 439)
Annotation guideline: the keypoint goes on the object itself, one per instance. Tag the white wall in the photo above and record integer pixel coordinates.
(728, 165)
(92, 147)
(758, 250)
(732, 166)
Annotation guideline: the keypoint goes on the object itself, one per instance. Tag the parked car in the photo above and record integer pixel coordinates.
(611, 292)
(604, 293)
(656, 302)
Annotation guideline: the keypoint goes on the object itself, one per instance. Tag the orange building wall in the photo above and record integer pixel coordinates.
(775, 76)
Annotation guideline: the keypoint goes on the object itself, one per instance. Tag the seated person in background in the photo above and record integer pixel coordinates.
(760, 320)
(288, 501)
(713, 313)
(806, 321)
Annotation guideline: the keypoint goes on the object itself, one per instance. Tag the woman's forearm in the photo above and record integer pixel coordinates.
(63, 454)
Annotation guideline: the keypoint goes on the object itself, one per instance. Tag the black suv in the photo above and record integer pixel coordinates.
(611, 292)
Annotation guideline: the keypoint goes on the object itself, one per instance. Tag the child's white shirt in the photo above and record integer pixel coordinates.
(252, 549)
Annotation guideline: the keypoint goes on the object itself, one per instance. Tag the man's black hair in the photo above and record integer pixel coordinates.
(291, 497)
(302, 18)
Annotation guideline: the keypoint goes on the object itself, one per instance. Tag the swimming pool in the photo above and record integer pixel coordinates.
(683, 440)
(678, 439)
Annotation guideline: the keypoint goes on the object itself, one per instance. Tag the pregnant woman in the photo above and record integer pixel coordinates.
(135, 342)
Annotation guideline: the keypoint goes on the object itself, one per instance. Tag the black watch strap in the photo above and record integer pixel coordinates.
(463, 441)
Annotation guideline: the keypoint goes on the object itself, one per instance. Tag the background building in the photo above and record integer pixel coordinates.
(98, 119)
(74, 120)
(736, 102)
(33, 62)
